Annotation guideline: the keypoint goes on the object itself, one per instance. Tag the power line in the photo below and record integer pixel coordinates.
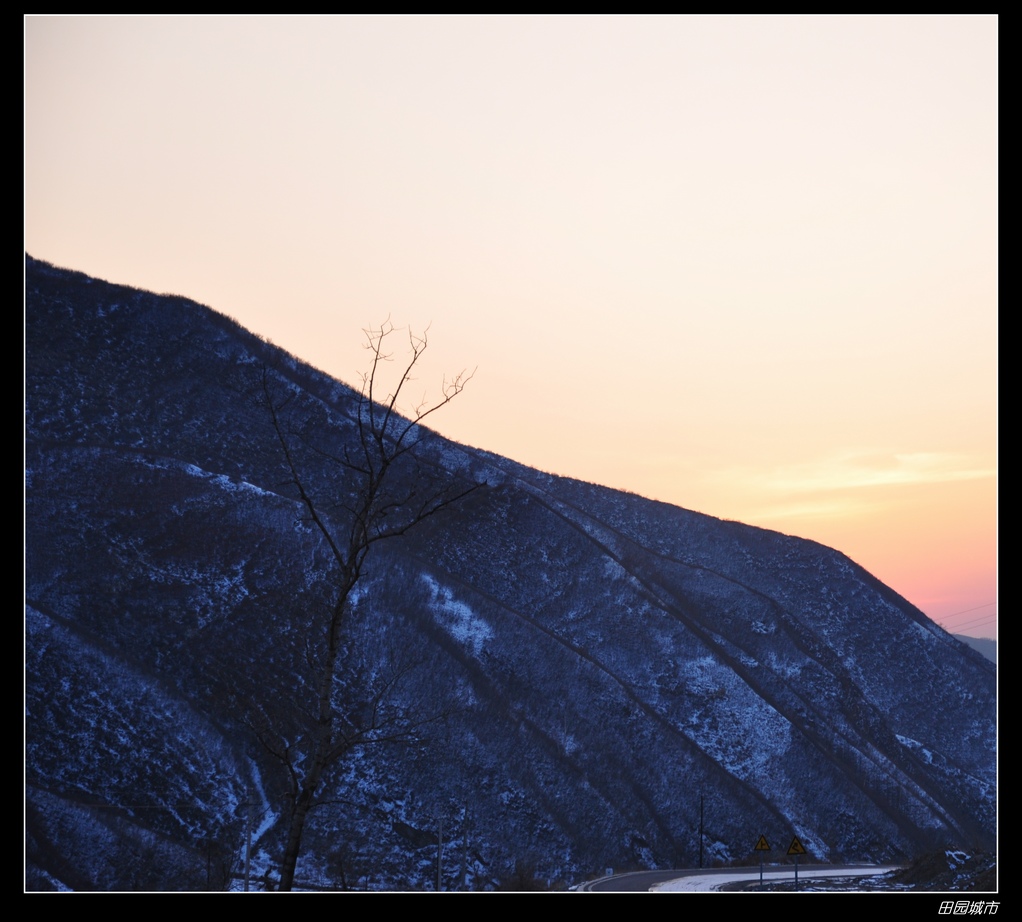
(965, 611)
(945, 620)
(977, 622)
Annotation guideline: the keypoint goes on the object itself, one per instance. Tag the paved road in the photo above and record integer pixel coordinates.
(639, 881)
(695, 879)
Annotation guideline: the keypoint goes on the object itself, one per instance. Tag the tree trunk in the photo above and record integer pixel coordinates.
(294, 840)
(323, 744)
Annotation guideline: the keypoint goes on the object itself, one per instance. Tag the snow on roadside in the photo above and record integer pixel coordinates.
(710, 882)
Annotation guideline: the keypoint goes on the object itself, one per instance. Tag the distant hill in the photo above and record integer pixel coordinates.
(983, 645)
(591, 675)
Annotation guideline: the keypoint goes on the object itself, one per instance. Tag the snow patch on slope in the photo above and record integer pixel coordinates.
(225, 482)
(457, 618)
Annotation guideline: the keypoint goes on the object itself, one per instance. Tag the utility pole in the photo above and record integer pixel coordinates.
(464, 847)
(248, 840)
(700, 830)
(439, 850)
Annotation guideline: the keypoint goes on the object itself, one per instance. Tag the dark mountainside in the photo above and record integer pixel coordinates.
(582, 667)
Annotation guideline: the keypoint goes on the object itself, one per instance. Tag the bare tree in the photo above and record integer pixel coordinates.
(379, 505)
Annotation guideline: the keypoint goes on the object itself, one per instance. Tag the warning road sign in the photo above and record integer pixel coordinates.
(796, 847)
(761, 845)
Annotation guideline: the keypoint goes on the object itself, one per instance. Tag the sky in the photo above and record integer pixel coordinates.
(741, 264)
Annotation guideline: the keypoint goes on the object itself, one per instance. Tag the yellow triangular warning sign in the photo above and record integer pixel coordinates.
(761, 845)
(796, 847)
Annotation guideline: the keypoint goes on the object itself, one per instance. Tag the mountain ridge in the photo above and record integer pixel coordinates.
(590, 647)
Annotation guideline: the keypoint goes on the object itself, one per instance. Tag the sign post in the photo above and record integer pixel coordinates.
(796, 848)
(761, 846)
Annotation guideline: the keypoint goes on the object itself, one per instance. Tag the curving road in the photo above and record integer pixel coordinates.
(691, 880)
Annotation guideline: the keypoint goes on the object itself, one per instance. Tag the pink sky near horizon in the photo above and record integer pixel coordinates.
(745, 265)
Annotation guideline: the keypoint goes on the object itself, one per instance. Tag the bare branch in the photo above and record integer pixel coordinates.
(295, 477)
(426, 512)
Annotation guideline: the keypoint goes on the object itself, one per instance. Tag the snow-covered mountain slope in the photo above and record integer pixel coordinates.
(584, 667)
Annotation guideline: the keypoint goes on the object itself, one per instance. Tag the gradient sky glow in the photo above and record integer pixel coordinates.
(746, 265)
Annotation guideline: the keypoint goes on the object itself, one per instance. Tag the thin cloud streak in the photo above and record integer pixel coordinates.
(855, 470)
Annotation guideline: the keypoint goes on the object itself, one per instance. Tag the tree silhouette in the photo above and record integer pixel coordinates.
(388, 495)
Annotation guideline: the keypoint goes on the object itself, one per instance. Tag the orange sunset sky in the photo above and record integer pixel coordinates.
(745, 265)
